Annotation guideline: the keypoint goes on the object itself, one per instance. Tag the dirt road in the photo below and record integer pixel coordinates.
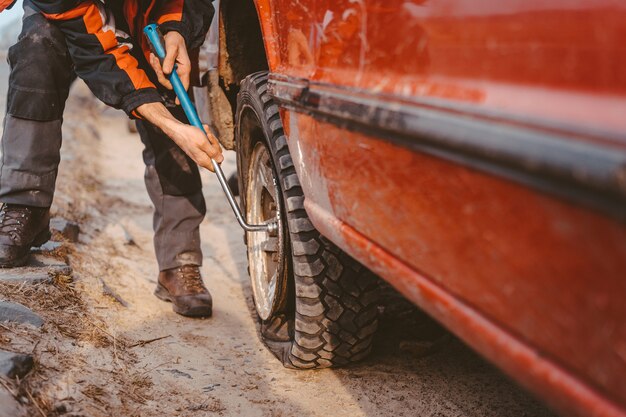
(216, 366)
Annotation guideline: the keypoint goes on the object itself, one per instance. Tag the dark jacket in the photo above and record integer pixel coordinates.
(108, 48)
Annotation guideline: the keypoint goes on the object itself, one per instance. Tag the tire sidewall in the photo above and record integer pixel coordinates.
(253, 103)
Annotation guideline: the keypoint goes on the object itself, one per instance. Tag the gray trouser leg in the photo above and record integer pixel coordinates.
(30, 157)
(174, 185)
(41, 74)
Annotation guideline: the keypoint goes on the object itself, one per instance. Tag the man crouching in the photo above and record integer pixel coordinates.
(103, 45)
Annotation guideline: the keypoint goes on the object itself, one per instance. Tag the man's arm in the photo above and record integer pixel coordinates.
(190, 139)
(100, 59)
(184, 24)
(114, 76)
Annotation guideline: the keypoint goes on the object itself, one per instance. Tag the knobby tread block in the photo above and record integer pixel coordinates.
(299, 247)
(299, 225)
(308, 291)
(295, 203)
(308, 269)
(285, 162)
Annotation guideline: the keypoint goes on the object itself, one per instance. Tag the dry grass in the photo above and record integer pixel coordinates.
(62, 252)
(60, 304)
(62, 346)
(94, 392)
(212, 404)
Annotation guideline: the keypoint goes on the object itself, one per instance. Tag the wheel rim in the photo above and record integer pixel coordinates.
(266, 255)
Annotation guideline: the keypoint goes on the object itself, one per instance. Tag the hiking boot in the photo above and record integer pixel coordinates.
(21, 227)
(183, 287)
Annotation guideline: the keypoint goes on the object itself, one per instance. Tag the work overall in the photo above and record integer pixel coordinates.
(39, 83)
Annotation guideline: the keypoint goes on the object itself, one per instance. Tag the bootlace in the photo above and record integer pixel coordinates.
(13, 219)
(191, 278)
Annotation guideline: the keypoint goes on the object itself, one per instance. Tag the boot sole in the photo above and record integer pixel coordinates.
(16, 263)
(39, 240)
(162, 294)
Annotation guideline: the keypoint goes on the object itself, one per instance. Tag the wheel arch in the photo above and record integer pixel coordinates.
(241, 44)
(240, 52)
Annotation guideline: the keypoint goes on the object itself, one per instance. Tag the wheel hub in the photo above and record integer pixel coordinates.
(266, 253)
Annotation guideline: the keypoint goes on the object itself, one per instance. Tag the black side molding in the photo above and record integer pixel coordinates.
(552, 159)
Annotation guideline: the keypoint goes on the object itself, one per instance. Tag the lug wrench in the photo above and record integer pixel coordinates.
(156, 44)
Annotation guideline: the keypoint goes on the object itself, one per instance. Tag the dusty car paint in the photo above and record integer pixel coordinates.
(553, 59)
(532, 279)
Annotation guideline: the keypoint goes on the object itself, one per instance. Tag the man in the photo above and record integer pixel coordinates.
(103, 44)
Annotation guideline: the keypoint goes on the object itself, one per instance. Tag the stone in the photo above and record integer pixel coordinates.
(49, 246)
(15, 364)
(61, 408)
(40, 268)
(69, 230)
(178, 374)
(17, 313)
(9, 406)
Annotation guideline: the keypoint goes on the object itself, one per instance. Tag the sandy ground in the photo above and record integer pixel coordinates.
(92, 356)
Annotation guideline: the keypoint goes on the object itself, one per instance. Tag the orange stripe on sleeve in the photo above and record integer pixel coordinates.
(172, 10)
(125, 61)
(78, 11)
(4, 4)
(93, 23)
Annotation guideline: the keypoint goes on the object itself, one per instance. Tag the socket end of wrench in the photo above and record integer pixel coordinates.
(272, 227)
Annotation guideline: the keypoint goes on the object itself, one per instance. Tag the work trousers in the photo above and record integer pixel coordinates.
(39, 83)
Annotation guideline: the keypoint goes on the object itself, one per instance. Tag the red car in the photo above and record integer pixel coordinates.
(471, 153)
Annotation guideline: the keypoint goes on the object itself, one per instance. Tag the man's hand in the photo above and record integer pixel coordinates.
(198, 145)
(175, 54)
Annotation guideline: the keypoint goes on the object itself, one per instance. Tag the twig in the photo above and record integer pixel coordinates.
(34, 402)
(138, 398)
(4, 384)
(35, 347)
(114, 339)
(142, 343)
(152, 369)
(7, 328)
(100, 328)
(110, 292)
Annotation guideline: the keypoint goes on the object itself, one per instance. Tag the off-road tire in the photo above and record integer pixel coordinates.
(331, 314)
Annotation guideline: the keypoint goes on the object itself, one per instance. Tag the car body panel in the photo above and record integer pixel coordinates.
(549, 60)
(531, 276)
(544, 272)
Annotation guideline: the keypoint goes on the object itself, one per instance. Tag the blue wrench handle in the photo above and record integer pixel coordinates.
(156, 44)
